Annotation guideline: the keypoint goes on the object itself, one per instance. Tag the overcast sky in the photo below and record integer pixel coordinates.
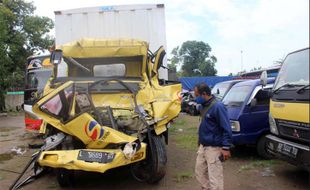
(265, 30)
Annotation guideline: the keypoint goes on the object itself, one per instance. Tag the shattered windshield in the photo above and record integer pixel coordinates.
(103, 67)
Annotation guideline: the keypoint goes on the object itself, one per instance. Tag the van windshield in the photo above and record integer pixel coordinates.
(220, 89)
(236, 95)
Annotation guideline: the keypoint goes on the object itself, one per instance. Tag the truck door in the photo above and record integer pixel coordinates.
(167, 101)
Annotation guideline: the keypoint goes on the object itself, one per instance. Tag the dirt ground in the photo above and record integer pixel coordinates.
(244, 171)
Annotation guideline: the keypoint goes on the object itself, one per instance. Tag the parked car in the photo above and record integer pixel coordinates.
(189, 104)
(222, 88)
(247, 104)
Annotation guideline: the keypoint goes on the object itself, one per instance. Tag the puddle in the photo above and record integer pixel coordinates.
(6, 157)
(8, 129)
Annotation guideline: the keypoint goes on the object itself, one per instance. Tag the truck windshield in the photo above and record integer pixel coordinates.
(294, 71)
(36, 79)
(236, 95)
(220, 89)
(102, 67)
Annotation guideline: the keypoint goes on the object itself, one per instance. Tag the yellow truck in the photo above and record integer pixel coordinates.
(289, 111)
(104, 108)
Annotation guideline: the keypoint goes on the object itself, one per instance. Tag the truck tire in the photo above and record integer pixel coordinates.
(261, 148)
(153, 168)
(193, 111)
(65, 177)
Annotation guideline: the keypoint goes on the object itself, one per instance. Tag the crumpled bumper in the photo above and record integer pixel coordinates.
(69, 159)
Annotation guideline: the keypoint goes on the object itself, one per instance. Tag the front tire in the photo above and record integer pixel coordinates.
(153, 168)
(65, 177)
(262, 149)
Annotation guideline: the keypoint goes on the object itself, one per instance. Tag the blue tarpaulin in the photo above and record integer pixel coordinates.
(188, 83)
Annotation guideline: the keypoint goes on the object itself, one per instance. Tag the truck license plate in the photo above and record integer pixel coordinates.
(93, 156)
(287, 150)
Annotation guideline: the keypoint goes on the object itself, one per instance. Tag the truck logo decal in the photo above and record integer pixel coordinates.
(279, 105)
(94, 130)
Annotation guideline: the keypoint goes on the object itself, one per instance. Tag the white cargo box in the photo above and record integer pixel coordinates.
(143, 22)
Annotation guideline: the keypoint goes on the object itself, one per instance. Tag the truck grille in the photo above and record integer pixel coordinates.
(294, 130)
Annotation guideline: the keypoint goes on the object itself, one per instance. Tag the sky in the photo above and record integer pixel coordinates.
(243, 34)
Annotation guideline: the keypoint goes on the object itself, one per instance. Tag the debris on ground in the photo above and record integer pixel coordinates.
(268, 172)
(18, 151)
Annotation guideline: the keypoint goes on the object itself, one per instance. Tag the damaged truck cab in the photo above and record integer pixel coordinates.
(104, 108)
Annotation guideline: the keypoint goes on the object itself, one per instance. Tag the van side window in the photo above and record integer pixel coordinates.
(262, 97)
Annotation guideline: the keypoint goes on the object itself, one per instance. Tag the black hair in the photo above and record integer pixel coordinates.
(203, 87)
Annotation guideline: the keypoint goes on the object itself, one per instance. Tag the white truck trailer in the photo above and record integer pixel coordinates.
(142, 22)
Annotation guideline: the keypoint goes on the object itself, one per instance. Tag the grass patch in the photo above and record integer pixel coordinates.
(258, 164)
(184, 131)
(187, 141)
(179, 122)
(182, 176)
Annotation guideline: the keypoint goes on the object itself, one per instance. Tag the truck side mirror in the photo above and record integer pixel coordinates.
(218, 91)
(56, 57)
(268, 92)
(253, 102)
(263, 78)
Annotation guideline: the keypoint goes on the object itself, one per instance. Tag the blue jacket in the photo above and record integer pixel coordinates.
(215, 129)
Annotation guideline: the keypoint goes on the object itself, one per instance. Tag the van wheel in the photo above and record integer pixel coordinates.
(153, 168)
(262, 149)
(65, 177)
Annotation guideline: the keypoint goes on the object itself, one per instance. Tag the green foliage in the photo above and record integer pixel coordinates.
(195, 58)
(21, 35)
(258, 163)
(183, 176)
(256, 68)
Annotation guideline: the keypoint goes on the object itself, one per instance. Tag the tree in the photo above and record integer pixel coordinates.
(256, 68)
(195, 58)
(174, 61)
(21, 35)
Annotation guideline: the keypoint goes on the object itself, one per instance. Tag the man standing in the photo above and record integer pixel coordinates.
(215, 139)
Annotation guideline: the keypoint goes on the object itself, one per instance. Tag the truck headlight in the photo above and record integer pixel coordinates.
(235, 126)
(273, 125)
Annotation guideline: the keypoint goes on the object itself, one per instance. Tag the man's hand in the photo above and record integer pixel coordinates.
(226, 154)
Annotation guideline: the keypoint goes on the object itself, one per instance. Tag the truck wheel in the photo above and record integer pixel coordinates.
(65, 177)
(192, 110)
(261, 148)
(153, 168)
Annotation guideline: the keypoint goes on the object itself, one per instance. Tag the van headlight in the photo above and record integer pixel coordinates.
(273, 125)
(235, 126)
